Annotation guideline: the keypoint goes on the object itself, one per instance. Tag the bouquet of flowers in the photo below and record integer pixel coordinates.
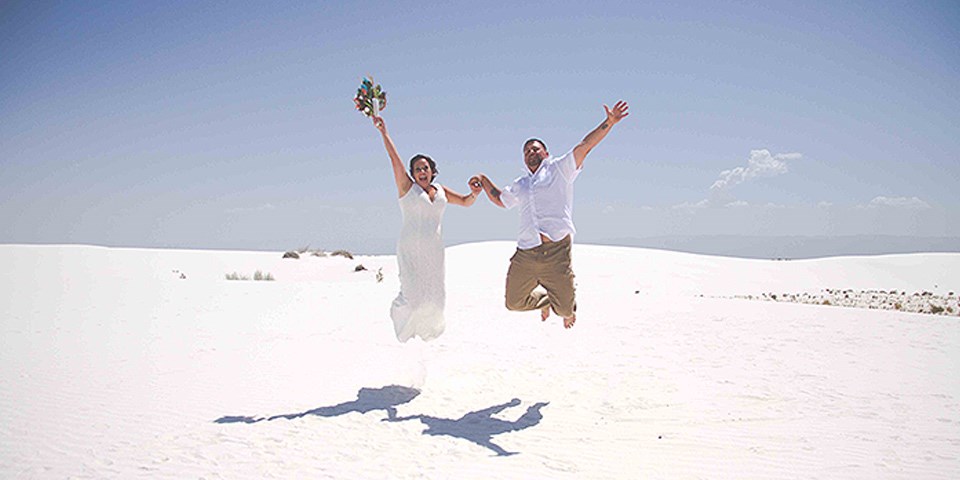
(370, 98)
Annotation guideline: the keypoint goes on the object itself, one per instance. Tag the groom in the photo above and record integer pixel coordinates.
(545, 196)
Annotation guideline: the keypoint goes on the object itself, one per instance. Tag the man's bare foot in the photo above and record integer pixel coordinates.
(569, 321)
(544, 313)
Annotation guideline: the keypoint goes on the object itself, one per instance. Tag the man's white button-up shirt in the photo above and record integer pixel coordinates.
(546, 200)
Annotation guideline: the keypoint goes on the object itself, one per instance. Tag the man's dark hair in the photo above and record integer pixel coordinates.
(433, 165)
(544, 145)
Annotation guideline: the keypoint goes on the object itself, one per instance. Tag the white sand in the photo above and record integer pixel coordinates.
(112, 366)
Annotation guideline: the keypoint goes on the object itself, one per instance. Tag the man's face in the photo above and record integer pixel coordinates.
(533, 155)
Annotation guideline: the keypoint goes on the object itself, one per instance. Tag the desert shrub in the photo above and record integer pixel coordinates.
(936, 309)
(260, 276)
(359, 268)
(379, 275)
(343, 253)
(826, 302)
(898, 306)
(291, 254)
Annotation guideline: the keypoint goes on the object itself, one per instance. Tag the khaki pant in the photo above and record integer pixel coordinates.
(547, 265)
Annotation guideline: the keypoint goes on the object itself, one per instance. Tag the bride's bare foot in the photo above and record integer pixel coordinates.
(544, 313)
(569, 321)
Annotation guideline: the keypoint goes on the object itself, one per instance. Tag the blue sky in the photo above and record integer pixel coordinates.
(231, 125)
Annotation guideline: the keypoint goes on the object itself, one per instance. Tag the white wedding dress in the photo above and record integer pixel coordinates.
(418, 309)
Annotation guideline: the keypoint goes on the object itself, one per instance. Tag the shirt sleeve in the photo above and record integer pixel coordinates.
(568, 167)
(508, 196)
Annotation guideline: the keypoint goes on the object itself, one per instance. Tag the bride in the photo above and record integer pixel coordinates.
(418, 309)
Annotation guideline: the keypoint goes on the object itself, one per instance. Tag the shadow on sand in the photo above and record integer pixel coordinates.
(368, 400)
(478, 426)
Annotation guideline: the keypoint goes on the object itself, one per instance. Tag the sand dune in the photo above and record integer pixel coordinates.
(138, 363)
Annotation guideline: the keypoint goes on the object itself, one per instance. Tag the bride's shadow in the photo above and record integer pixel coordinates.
(368, 400)
(478, 426)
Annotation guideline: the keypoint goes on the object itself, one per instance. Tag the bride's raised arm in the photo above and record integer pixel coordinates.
(465, 200)
(404, 182)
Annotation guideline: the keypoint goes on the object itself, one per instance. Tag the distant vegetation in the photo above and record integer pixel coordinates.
(316, 253)
(257, 276)
(917, 302)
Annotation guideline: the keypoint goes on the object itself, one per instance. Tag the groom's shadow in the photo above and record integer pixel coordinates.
(368, 400)
(479, 426)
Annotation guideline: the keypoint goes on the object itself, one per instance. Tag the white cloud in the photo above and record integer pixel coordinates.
(898, 202)
(738, 203)
(691, 207)
(760, 164)
(824, 204)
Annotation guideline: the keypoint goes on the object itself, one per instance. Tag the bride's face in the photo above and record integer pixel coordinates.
(422, 173)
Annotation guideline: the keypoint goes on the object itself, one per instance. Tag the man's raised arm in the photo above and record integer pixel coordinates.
(593, 138)
(493, 193)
